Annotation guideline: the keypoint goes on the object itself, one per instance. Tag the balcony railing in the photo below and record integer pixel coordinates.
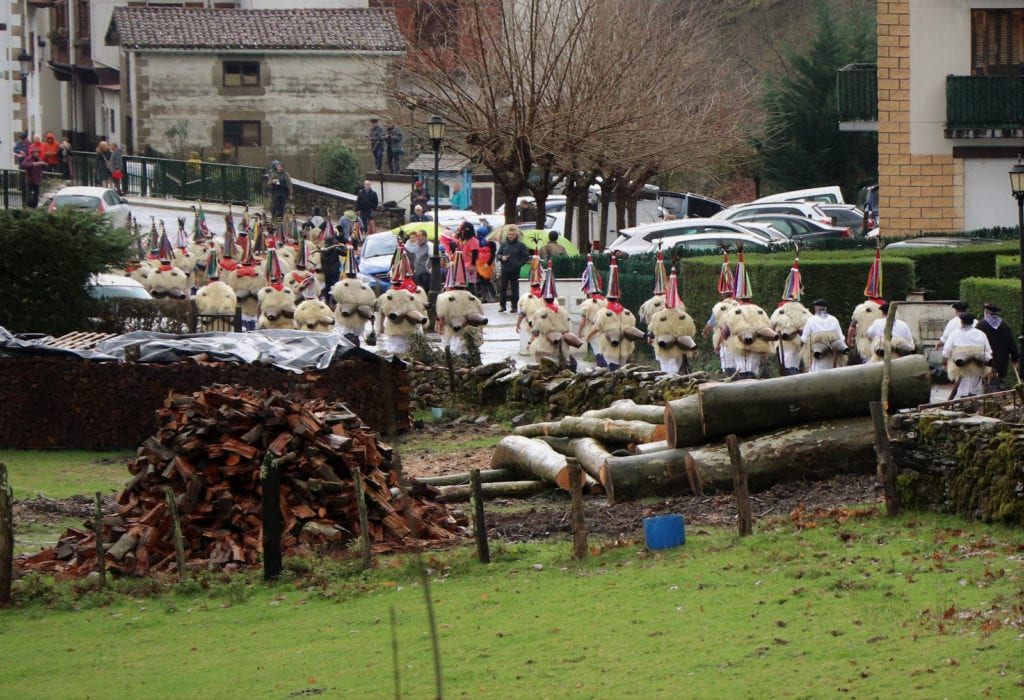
(178, 179)
(989, 104)
(857, 92)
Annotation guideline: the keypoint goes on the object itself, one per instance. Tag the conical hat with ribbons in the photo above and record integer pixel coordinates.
(212, 264)
(348, 268)
(456, 272)
(743, 289)
(660, 279)
(794, 287)
(536, 271)
(273, 272)
(591, 280)
(613, 280)
(166, 250)
(549, 292)
(672, 291)
(726, 282)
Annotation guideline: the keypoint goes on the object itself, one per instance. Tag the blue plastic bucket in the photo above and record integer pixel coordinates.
(664, 531)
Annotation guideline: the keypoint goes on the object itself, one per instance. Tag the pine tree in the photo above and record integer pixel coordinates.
(803, 146)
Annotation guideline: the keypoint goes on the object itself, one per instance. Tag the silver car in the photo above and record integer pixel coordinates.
(99, 199)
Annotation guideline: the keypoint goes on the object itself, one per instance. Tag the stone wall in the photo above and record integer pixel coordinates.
(64, 402)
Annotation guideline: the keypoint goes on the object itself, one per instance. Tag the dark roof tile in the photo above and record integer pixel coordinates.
(350, 29)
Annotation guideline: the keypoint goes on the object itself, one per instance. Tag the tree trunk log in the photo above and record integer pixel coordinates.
(532, 456)
(499, 489)
(753, 407)
(816, 450)
(487, 476)
(685, 414)
(591, 455)
(623, 432)
(628, 410)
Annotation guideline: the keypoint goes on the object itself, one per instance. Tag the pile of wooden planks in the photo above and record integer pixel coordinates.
(209, 450)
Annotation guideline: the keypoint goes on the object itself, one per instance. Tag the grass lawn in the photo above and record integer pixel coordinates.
(851, 604)
(65, 473)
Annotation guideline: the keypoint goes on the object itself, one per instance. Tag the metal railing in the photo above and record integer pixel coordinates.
(177, 179)
(12, 189)
(984, 102)
(857, 92)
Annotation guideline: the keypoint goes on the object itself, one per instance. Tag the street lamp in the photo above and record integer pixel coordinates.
(435, 129)
(25, 59)
(1017, 187)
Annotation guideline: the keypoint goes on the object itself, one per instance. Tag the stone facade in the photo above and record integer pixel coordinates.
(917, 192)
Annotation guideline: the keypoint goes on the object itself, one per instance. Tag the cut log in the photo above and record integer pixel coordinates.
(591, 455)
(606, 430)
(682, 421)
(532, 456)
(487, 476)
(752, 407)
(628, 410)
(499, 489)
(812, 451)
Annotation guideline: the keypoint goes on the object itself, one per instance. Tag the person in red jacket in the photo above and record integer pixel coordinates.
(33, 168)
(51, 152)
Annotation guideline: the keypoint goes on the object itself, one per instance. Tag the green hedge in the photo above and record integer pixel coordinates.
(1008, 266)
(940, 270)
(1005, 292)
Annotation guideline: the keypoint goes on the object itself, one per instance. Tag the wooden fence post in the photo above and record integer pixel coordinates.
(364, 518)
(6, 537)
(483, 551)
(272, 519)
(740, 490)
(886, 468)
(179, 540)
(579, 525)
(101, 555)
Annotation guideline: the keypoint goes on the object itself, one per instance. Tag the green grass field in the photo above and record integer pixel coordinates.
(64, 473)
(852, 604)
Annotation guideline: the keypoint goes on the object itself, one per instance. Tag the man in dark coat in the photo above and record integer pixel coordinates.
(1003, 342)
(512, 254)
(366, 202)
(33, 168)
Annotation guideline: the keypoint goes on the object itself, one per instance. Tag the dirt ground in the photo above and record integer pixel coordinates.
(548, 513)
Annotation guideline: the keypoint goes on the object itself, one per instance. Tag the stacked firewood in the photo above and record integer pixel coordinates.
(210, 449)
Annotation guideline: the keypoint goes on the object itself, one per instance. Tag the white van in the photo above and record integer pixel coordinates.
(830, 194)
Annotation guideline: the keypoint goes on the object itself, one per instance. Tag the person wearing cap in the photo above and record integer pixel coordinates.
(393, 138)
(1003, 342)
(280, 189)
(419, 197)
(902, 341)
(953, 326)
(822, 338)
(966, 354)
(377, 143)
(366, 203)
(417, 214)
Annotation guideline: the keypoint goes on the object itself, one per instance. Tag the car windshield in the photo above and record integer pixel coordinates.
(118, 292)
(81, 201)
(379, 244)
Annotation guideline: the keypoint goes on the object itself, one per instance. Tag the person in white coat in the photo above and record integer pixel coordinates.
(902, 342)
(953, 326)
(823, 338)
(967, 354)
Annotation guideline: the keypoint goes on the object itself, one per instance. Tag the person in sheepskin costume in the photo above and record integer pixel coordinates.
(615, 326)
(460, 315)
(867, 312)
(215, 298)
(589, 308)
(165, 281)
(400, 313)
(671, 331)
(788, 321)
(746, 329)
(354, 300)
(277, 301)
(314, 315)
(529, 304)
(301, 278)
(657, 302)
(551, 327)
(243, 277)
(824, 347)
(901, 343)
(967, 355)
(713, 326)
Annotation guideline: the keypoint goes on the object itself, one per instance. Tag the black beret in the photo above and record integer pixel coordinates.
(820, 302)
(960, 305)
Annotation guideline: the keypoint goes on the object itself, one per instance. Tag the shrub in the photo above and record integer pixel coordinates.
(339, 167)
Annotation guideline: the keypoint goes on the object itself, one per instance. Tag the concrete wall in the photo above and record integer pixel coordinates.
(303, 101)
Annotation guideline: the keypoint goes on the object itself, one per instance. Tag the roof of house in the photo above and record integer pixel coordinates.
(349, 29)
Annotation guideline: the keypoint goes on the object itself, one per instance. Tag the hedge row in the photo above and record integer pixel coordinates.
(978, 291)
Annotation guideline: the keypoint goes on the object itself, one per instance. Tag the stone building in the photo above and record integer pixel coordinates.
(260, 85)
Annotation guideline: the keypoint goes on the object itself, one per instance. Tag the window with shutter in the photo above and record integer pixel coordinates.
(997, 42)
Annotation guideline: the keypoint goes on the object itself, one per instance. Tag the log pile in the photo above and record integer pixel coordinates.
(798, 427)
(209, 449)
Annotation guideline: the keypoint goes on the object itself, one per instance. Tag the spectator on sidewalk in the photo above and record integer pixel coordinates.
(280, 189)
(366, 204)
(33, 168)
(117, 167)
(377, 143)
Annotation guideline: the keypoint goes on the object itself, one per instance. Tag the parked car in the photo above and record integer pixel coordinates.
(798, 228)
(688, 205)
(711, 243)
(806, 209)
(375, 259)
(830, 194)
(100, 199)
(848, 215)
(107, 286)
(943, 242)
(647, 238)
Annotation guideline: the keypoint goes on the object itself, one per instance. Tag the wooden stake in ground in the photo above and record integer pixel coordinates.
(272, 519)
(886, 468)
(364, 519)
(101, 556)
(579, 526)
(6, 536)
(179, 542)
(740, 490)
(483, 552)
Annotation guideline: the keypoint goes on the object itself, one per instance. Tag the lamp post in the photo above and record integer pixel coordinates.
(25, 59)
(435, 129)
(1017, 187)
